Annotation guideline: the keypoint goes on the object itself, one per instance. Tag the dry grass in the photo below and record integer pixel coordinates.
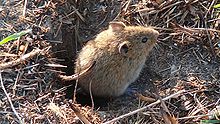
(186, 58)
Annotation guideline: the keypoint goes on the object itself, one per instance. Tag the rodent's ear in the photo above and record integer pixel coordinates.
(123, 48)
(116, 26)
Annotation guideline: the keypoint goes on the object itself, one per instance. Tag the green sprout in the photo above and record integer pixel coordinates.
(209, 121)
(217, 6)
(14, 36)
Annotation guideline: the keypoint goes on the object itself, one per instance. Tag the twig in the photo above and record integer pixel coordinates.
(59, 28)
(206, 29)
(9, 99)
(126, 7)
(77, 75)
(78, 67)
(195, 116)
(55, 65)
(20, 60)
(90, 93)
(210, 41)
(69, 14)
(75, 89)
(78, 13)
(25, 6)
(143, 108)
(210, 7)
(15, 84)
(81, 117)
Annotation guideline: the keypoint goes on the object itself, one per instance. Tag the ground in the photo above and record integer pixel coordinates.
(185, 58)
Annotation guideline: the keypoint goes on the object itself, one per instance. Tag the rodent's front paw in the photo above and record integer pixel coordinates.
(131, 92)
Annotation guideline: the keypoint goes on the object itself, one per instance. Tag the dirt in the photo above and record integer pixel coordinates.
(186, 57)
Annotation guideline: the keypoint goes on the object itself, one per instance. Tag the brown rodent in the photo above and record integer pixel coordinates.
(108, 64)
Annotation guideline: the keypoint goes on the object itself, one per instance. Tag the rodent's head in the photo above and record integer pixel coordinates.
(133, 39)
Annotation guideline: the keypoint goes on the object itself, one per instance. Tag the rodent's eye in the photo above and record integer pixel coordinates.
(144, 39)
(123, 48)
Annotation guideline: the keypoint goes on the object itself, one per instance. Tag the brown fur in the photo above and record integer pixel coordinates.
(113, 71)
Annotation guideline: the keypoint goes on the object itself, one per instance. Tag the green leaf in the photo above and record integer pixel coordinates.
(217, 6)
(14, 36)
(210, 121)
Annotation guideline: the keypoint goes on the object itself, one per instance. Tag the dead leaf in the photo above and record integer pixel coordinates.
(145, 98)
(168, 119)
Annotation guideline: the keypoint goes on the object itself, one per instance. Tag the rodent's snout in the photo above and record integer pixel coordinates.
(155, 35)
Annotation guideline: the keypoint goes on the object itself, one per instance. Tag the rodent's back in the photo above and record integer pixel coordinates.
(119, 54)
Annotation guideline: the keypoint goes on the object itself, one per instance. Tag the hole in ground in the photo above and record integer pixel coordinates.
(85, 99)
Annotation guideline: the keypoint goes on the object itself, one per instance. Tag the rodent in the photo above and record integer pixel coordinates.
(114, 59)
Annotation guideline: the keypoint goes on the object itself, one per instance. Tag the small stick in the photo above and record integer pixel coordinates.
(81, 117)
(143, 108)
(210, 40)
(90, 93)
(20, 60)
(210, 7)
(9, 100)
(24, 10)
(76, 76)
(78, 13)
(195, 116)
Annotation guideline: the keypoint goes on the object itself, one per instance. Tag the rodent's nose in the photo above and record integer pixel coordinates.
(156, 33)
